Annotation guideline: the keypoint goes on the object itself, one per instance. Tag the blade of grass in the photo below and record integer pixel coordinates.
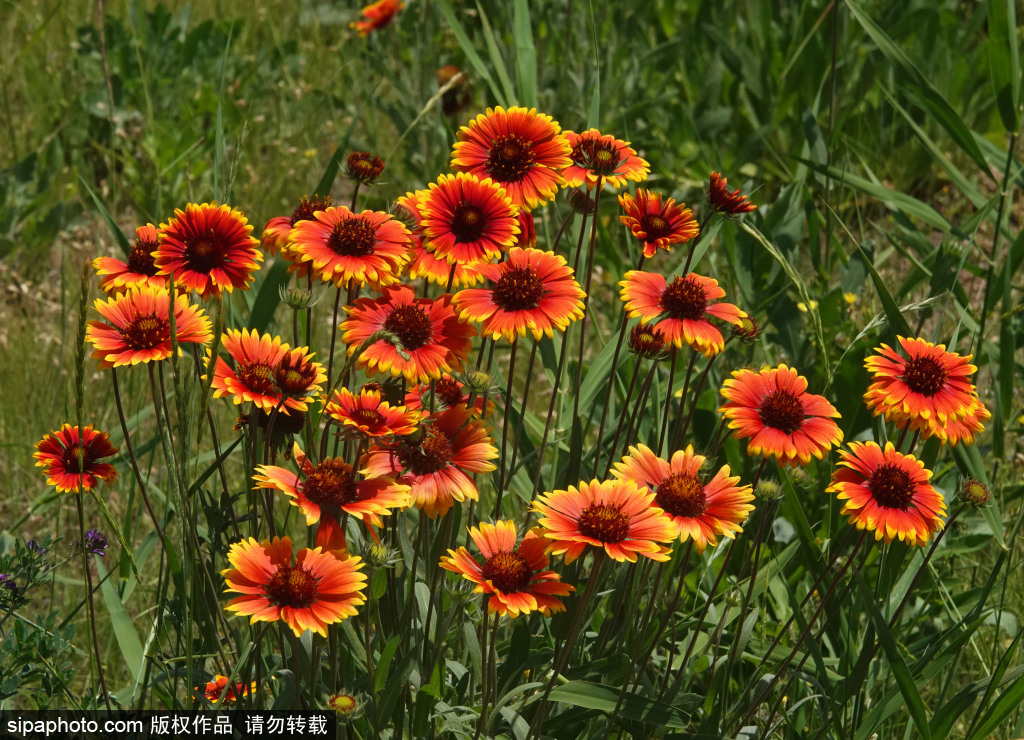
(1004, 59)
(923, 92)
(469, 49)
(918, 713)
(526, 55)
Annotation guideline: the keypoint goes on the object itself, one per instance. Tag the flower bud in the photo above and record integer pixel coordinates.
(975, 493)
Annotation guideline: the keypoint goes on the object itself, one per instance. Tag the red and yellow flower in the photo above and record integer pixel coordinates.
(340, 246)
(139, 270)
(925, 391)
(467, 220)
(333, 487)
(70, 458)
(725, 202)
(773, 409)
(602, 157)
(138, 328)
(427, 338)
(367, 415)
(266, 371)
(209, 248)
(531, 291)
(316, 590)
(887, 493)
(278, 230)
(448, 393)
(614, 515)
(219, 686)
(516, 577)
(656, 222)
(519, 149)
(377, 15)
(438, 466)
(700, 509)
(685, 304)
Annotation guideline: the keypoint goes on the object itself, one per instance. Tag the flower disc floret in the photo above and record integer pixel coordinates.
(530, 291)
(514, 575)
(614, 515)
(137, 327)
(887, 493)
(208, 248)
(339, 246)
(701, 508)
(682, 308)
(70, 458)
(928, 391)
(432, 338)
(601, 157)
(773, 409)
(466, 220)
(315, 590)
(658, 222)
(519, 149)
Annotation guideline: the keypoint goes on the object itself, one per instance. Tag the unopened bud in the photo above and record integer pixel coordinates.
(768, 490)
(364, 168)
(975, 493)
(747, 329)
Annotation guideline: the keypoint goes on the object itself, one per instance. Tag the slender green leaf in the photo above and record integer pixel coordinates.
(115, 230)
(380, 672)
(897, 665)
(268, 297)
(892, 311)
(497, 58)
(923, 92)
(469, 49)
(892, 198)
(124, 631)
(526, 55)
(634, 706)
(797, 281)
(1004, 59)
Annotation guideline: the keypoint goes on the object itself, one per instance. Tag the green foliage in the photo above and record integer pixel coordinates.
(879, 141)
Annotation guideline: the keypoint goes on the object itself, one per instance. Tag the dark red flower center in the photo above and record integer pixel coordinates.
(682, 494)
(892, 487)
(258, 377)
(655, 226)
(292, 585)
(782, 410)
(140, 261)
(685, 298)
(600, 157)
(468, 223)
(433, 454)
(146, 332)
(293, 376)
(518, 289)
(449, 391)
(510, 158)
(367, 417)
(308, 206)
(508, 571)
(924, 375)
(205, 252)
(352, 237)
(69, 459)
(411, 325)
(332, 484)
(604, 523)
